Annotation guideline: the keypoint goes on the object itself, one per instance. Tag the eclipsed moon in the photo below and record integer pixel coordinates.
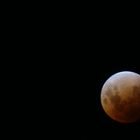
(120, 97)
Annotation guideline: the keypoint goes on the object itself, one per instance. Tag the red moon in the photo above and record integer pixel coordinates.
(120, 97)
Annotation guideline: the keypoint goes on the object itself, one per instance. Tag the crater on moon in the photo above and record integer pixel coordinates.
(105, 100)
(116, 102)
(136, 92)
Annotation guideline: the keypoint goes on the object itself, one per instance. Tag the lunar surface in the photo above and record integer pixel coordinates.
(120, 97)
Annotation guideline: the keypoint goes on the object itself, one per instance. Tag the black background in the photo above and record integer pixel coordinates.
(82, 52)
(58, 65)
(84, 75)
(86, 57)
(90, 51)
(80, 70)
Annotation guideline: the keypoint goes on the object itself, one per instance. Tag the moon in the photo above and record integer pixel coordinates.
(120, 97)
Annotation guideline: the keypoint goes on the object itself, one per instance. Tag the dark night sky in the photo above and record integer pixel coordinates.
(80, 74)
(79, 64)
(86, 57)
(65, 95)
(87, 79)
(61, 91)
(85, 71)
(58, 65)
(84, 48)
